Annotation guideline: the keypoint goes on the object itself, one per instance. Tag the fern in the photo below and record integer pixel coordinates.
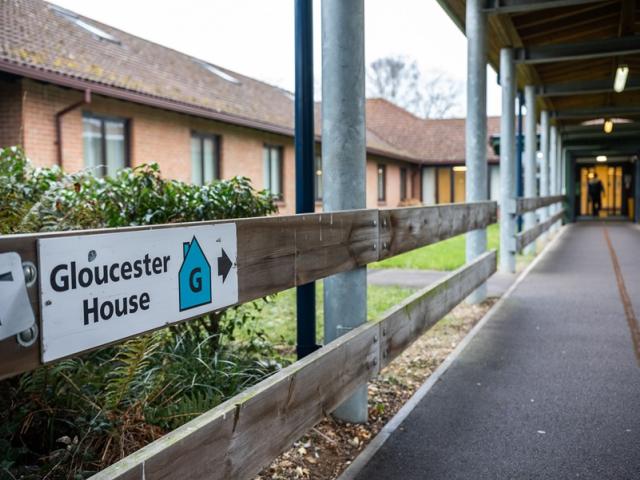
(130, 374)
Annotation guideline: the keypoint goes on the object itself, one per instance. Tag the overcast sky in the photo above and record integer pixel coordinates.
(255, 37)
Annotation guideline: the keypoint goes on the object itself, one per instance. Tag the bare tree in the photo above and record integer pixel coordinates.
(396, 79)
(399, 80)
(440, 96)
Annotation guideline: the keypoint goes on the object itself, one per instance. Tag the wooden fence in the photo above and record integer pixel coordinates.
(530, 204)
(524, 205)
(277, 253)
(243, 434)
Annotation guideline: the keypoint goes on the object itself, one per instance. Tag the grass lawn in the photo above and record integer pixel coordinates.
(278, 315)
(446, 255)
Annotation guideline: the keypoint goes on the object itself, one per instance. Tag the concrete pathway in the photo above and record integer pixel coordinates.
(400, 277)
(549, 388)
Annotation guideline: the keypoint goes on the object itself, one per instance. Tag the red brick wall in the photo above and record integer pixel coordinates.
(164, 137)
(10, 112)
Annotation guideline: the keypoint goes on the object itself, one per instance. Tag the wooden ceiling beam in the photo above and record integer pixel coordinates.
(584, 87)
(596, 112)
(609, 47)
(518, 6)
(529, 21)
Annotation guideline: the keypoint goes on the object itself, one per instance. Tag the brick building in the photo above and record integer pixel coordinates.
(81, 94)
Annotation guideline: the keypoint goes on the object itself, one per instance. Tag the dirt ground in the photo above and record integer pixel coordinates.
(331, 446)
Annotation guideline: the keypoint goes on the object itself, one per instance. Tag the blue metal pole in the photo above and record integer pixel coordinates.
(305, 146)
(520, 147)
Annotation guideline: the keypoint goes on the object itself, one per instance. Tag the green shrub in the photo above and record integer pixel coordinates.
(75, 417)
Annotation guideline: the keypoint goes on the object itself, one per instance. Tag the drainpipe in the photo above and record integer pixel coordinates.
(58, 120)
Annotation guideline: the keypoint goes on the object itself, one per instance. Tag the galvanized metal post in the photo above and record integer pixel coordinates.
(553, 181)
(636, 201)
(476, 128)
(530, 150)
(507, 161)
(544, 165)
(570, 179)
(344, 165)
(305, 147)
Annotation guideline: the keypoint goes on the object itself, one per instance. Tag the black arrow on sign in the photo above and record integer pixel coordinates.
(224, 265)
(6, 277)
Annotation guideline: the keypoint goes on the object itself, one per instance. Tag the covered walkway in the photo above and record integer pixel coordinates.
(549, 386)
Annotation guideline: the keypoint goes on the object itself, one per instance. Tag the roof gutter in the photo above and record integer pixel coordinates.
(131, 96)
(162, 103)
(58, 120)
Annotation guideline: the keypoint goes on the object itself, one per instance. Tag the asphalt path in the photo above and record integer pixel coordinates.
(549, 387)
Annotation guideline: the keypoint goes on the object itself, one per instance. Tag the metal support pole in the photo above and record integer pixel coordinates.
(636, 201)
(570, 184)
(563, 168)
(553, 174)
(305, 146)
(476, 128)
(519, 179)
(544, 165)
(344, 158)
(530, 148)
(507, 162)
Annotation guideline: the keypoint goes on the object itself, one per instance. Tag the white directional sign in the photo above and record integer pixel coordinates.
(16, 314)
(97, 289)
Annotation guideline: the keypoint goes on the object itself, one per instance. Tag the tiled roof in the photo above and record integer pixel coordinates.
(430, 141)
(37, 34)
(47, 42)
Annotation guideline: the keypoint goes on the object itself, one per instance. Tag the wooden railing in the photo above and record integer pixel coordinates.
(524, 205)
(243, 434)
(530, 204)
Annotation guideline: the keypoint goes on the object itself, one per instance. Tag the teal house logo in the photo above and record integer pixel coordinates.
(194, 278)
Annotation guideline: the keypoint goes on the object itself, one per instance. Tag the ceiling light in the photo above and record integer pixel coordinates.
(608, 125)
(622, 72)
(459, 168)
(601, 158)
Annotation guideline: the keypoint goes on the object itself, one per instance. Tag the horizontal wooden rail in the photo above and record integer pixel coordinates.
(242, 435)
(280, 252)
(525, 238)
(530, 204)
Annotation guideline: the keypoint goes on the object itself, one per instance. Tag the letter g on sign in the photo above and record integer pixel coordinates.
(195, 280)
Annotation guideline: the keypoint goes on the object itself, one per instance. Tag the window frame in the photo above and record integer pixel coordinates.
(202, 136)
(382, 196)
(103, 138)
(403, 184)
(280, 149)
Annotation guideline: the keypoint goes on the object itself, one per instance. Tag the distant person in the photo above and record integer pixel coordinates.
(596, 189)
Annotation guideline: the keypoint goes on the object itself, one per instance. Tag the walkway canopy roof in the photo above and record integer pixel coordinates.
(570, 50)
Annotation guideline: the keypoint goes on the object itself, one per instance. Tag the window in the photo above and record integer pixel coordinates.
(444, 185)
(98, 32)
(105, 144)
(459, 183)
(318, 178)
(205, 165)
(429, 189)
(403, 184)
(273, 170)
(382, 182)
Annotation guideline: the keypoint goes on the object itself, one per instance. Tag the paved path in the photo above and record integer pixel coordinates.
(549, 388)
(497, 284)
